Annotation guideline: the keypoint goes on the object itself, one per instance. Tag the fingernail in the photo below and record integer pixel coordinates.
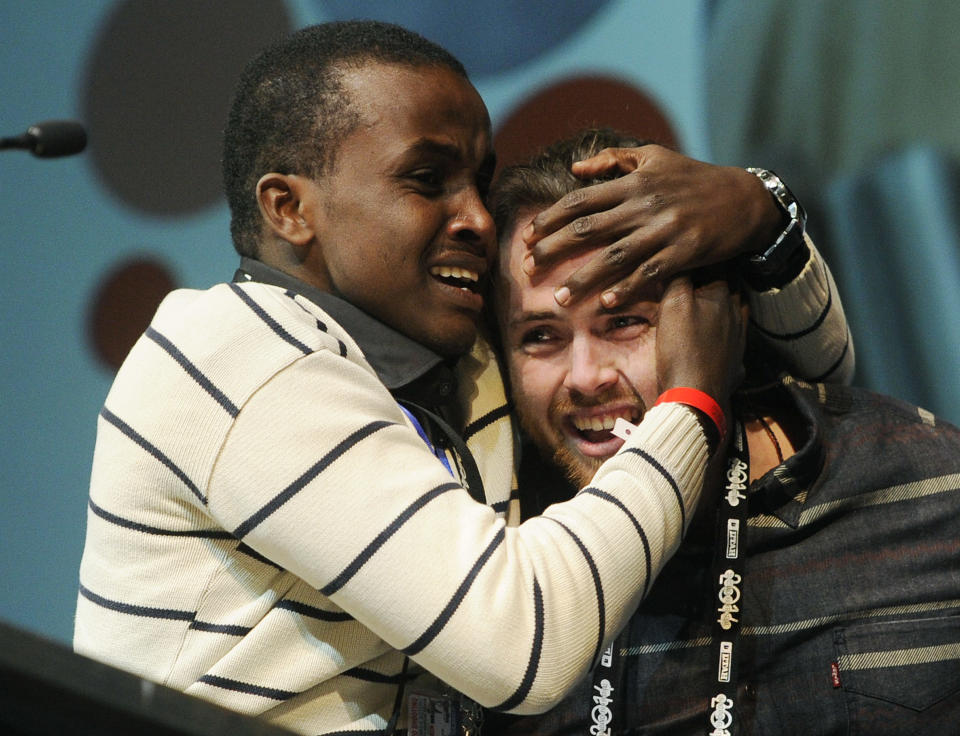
(528, 264)
(608, 299)
(527, 232)
(562, 295)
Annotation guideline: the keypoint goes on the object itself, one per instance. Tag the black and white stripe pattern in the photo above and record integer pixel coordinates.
(259, 499)
(804, 324)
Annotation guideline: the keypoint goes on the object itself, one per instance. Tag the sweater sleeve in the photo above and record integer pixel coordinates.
(803, 322)
(321, 474)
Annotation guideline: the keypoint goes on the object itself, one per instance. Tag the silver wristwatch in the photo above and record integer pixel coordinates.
(790, 240)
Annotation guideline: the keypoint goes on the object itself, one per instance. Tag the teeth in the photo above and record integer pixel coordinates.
(455, 272)
(599, 423)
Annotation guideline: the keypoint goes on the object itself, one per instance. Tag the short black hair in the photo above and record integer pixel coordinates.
(289, 108)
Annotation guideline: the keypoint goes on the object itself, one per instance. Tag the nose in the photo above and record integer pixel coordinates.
(591, 368)
(471, 221)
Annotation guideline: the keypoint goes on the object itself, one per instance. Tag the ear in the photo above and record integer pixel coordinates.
(280, 197)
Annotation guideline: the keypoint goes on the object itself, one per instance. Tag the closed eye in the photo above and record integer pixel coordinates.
(429, 180)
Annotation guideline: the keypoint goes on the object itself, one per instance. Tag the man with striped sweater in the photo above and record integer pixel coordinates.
(302, 501)
(819, 591)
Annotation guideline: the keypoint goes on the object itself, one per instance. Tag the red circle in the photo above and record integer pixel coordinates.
(123, 306)
(570, 105)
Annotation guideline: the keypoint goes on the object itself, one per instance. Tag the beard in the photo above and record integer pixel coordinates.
(551, 440)
(577, 469)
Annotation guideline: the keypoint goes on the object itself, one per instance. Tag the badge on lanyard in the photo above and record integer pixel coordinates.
(726, 585)
(728, 570)
(443, 715)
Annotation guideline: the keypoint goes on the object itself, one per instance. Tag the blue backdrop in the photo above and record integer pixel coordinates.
(839, 105)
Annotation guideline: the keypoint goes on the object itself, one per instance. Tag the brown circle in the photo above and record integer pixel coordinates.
(157, 90)
(569, 105)
(123, 305)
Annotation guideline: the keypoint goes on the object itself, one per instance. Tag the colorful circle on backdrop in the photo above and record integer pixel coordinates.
(159, 82)
(157, 91)
(567, 105)
(123, 305)
(487, 37)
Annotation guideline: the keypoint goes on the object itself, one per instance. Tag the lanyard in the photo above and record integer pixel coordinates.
(471, 480)
(727, 582)
(726, 591)
(438, 452)
(457, 712)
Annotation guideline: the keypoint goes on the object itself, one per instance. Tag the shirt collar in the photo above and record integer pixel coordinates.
(408, 369)
(785, 490)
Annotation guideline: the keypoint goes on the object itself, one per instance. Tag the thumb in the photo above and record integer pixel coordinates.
(608, 161)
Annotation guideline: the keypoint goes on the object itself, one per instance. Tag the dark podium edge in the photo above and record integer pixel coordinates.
(46, 688)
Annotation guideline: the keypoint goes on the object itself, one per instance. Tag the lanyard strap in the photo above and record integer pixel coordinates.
(469, 713)
(472, 480)
(438, 452)
(726, 590)
(727, 586)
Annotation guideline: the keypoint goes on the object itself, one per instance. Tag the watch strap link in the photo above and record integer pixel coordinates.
(773, 259)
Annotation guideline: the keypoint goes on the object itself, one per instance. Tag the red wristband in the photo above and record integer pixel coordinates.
(698, 400)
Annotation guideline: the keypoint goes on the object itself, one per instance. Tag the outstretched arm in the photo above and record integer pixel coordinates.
(363, 512)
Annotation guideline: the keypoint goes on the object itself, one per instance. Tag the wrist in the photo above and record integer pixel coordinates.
(773, 265)
(709, 412)
(766, 218)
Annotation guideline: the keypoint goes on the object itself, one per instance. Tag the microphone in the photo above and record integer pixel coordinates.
(50, 139)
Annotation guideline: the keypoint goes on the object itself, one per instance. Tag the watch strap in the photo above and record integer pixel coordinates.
(774, 259)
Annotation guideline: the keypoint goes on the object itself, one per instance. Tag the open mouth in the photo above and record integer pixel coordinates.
(596, 428)
(461, 278)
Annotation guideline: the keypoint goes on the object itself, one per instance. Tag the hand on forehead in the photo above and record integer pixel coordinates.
(517, 271)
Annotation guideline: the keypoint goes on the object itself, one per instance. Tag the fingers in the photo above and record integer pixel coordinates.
(731, 332)
(711, 284)
(663, 214)
(677, 300)
(625, 269)
(582, 219)
(614, 270)
(673, 330)
(701, 333)
(583, 203)
(608, 162)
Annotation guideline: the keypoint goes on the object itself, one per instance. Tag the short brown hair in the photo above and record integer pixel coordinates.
(546, 177)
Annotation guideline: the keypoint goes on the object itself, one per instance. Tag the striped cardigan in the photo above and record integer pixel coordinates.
(267, 531)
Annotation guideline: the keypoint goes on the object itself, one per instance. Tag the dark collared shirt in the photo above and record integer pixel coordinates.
(409, 370)
(850, 601)
(422, 381)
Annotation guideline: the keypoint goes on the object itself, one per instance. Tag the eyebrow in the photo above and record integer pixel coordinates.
(548, 315)
(447, 150)
(527, 317)
(450, 151)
